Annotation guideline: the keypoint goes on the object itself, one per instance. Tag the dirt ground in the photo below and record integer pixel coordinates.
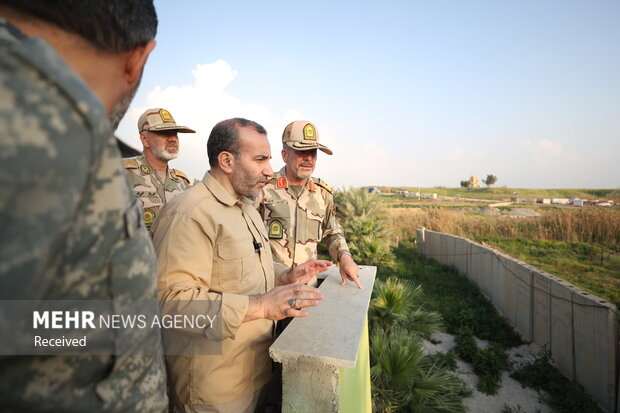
(511, 394)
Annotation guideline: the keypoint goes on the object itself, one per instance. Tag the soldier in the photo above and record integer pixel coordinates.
(298, 210)
(152, 182)
(71, 229)
(212, 245)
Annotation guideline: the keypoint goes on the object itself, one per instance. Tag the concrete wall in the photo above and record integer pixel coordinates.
(580, 329)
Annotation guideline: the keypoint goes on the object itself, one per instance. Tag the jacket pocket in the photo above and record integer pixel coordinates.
(235, 264)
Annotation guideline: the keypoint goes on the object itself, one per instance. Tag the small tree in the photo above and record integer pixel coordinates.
(491, 179)
(464, 184)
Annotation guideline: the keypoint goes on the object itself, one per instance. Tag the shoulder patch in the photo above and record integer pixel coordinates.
(181, 175)
(281, 182)
(130, 163)
(324, 185)
(275, 229)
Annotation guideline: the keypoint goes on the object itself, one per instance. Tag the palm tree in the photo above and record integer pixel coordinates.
(405, 379)
(397, 304)
(365, 226)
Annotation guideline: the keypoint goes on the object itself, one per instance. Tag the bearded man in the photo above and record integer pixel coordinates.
(151, 179)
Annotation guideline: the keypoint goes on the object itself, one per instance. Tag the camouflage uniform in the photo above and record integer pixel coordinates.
(297, 223)
(70, 230)
(148, 187)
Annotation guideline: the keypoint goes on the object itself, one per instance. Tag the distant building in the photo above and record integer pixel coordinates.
(577, 202)
(473, 182)
(546, 201)
(560, 201)
(428, 196)
(373, 190)
(402, 192)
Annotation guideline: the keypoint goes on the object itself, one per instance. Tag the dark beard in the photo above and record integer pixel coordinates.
(119, 110)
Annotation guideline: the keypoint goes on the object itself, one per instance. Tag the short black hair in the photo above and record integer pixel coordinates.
(114, 26)
(224, 137)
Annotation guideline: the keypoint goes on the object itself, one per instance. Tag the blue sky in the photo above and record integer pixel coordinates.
(406, 93)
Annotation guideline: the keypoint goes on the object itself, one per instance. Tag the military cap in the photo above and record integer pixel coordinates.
(158, 119)
(303, 136)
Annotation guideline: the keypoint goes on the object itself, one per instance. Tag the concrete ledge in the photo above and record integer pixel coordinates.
(331, 333)
(324, 356)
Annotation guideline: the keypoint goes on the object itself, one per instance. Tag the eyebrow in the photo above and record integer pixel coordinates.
(262, 156)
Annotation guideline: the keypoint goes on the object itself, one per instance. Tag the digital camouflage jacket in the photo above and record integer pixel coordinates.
(297, 223)
(71, 230)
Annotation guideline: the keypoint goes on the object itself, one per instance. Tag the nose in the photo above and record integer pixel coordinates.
(268, 171)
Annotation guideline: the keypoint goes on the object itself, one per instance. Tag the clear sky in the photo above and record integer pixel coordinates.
(406, 93)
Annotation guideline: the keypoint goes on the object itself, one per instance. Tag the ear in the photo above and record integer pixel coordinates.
(144, 140)
(226, 162)
(135, 61)
(284, 155)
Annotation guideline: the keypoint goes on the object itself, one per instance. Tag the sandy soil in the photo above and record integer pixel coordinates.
(511, 393)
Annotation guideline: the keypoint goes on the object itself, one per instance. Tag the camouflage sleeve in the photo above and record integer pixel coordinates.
(179, 239)
(44, 165)
(333, 234)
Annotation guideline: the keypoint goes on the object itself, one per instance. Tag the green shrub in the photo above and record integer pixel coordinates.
(560, 393)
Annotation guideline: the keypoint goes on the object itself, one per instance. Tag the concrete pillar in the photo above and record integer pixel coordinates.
(542, 310)
(450, 250)
(485, 279)
(432, 247)
(562, 332)
(420, 239)
(319, 352)
(596, 336)
(519, 297)
(498, 282)
(474, 268)
(461, 251)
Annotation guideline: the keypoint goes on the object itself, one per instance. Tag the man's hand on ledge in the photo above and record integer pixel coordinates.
(305, 272)
(349, 270)
(283, 301)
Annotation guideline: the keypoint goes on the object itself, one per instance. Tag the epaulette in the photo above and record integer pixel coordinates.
(130, 163)
(281, 182)
(181, 175)
(324, 185)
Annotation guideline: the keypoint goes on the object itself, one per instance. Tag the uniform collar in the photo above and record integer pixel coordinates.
(218, 190)
(282, 181)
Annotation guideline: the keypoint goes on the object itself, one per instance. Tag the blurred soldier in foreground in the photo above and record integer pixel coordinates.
(71, 228)
(151, 179)
(299, 210)
(212, 245)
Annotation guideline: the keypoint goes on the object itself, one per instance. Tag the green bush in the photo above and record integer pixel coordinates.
(560, 393)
